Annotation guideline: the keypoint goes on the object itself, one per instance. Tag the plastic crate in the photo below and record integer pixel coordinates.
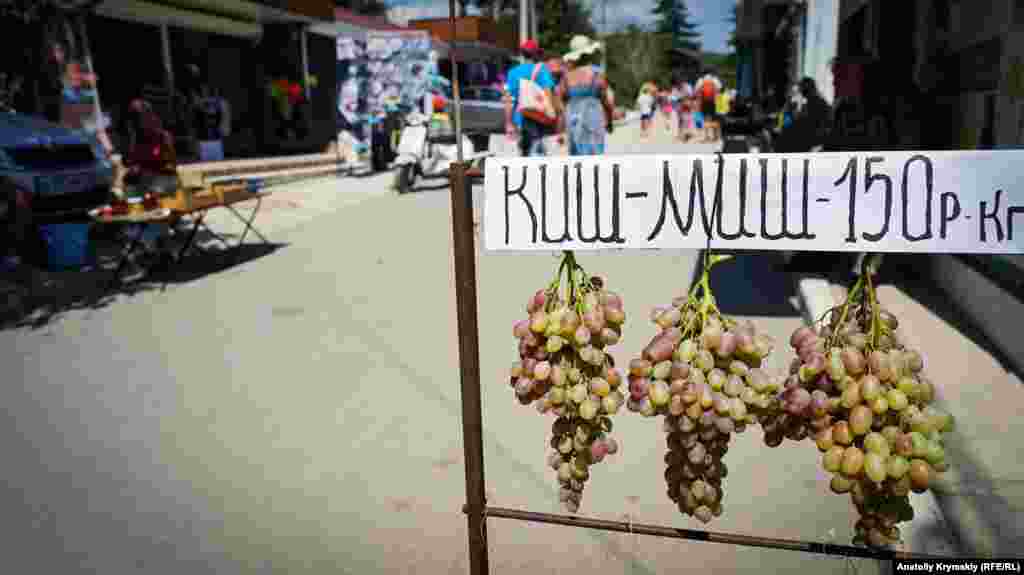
(67, 245)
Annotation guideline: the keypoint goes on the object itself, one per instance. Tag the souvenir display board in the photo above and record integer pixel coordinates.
(386, 70)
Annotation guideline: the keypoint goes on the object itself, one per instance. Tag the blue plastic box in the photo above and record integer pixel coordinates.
(67, 245)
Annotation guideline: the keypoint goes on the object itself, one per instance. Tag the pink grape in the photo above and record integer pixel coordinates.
(638, 387)
(541, 371)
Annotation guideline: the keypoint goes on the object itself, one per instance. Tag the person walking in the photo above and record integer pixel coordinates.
(666, 109)
(683, 111)
(708, 88)
(589, 113)
(529, 133)
(645, 103)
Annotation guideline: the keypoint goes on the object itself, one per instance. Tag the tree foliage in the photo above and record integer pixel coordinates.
(635, 56)
(673, 22)
(559, 21)
(732, 60)
(734, 20)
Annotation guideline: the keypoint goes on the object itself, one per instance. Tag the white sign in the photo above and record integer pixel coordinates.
(927, 202)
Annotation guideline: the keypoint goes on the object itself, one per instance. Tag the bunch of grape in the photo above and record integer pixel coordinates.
(694, 467)
(703, 372)
(565, 371)
(863, 395)
(575, 446)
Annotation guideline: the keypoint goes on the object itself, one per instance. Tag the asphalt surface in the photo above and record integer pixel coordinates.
(300, 413)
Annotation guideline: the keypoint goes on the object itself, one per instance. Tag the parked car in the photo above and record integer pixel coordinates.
(483, 110)
(60, 170)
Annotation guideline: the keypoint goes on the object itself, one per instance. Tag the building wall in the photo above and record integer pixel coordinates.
(979, 20)
(469, 29)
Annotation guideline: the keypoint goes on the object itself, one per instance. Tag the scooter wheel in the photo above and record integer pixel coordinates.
(405, 176)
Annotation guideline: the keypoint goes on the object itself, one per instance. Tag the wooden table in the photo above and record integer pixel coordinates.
(157, 216)
(171, 217)
(199, 216)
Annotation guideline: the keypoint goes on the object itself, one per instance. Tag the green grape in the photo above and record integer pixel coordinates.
(853, 462)
(874, 467)
(832, 461)
(897, 400)
(875, 442)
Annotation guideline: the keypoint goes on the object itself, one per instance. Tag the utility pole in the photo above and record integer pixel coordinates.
(533, 19)
(604, 34)
(524, 20)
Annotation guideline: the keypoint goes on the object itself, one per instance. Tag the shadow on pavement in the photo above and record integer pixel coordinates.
(909, 273)
(977, 488)
(34, 299)
(752, 285)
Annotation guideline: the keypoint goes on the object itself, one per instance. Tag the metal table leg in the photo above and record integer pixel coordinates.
(191, 236)
(248, 226)
(126, 254)
(248, 222)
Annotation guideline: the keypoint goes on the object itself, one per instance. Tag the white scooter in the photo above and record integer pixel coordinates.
(422, 153)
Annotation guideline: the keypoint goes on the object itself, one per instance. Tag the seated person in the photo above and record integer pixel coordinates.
(151, 169)
(151, 162)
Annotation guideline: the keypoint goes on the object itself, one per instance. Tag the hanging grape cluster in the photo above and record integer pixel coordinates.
(565, 371)
(854, 388)
(863, 395)
(703, 372)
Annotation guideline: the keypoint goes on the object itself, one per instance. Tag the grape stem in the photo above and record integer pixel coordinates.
(576, 277)
(705, 305)
(863, 292)
(871, 302)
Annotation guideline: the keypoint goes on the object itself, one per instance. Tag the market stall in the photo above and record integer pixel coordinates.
(183, 212)
(854, 387)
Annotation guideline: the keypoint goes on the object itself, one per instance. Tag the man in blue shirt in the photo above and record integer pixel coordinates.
(530, 134)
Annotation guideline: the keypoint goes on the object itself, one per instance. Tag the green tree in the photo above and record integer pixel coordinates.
(560, 20)
(732, 60)
(635, 56)
(679, 35)
(734, 20)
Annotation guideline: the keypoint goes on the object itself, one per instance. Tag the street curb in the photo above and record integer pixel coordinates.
(815, 296)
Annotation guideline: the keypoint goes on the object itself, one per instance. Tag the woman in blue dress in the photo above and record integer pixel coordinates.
(588, 110)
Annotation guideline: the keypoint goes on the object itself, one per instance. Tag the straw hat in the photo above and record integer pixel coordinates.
(581, 46)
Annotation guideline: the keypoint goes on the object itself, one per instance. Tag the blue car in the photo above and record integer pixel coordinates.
(60, 170)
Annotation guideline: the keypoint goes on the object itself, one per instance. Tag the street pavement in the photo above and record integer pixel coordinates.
(300, 413)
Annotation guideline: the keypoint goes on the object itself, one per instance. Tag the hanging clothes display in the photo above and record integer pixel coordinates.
(388, 70)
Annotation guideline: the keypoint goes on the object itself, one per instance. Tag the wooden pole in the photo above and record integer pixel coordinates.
(468, 333)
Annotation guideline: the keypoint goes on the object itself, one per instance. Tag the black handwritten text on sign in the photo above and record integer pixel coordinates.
(930, 202)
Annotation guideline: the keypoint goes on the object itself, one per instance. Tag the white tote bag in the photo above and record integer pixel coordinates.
(534, 102)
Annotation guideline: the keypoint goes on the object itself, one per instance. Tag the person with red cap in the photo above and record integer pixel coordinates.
(529, 132)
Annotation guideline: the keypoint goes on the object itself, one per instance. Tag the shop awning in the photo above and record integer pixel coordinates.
(28, 10)
(247, 10)
(356, 26)
(158, 14)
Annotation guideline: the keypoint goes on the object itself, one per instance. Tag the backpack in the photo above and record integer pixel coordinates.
(707, 90)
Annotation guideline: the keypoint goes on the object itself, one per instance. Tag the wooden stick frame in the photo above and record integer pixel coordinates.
(476, 509)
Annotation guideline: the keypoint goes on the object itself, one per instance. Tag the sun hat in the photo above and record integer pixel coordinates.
(581, 46)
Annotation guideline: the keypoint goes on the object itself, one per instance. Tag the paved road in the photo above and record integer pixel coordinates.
(300, 414)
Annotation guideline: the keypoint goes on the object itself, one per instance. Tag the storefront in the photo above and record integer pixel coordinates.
(209, 72)
(53, 76)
